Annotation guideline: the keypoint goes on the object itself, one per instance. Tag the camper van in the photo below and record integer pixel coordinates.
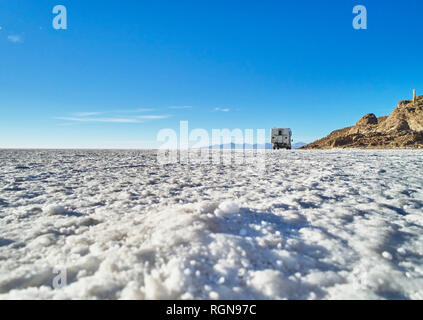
(281, 138)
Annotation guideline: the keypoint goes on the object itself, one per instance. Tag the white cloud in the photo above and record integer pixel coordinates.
(94, 113)
(222, 109)
(87, 114)
(153, 117)
(180, 107)
(113, 116)
(93, 117)
(110, 120)
(140, 110)
(144, 110)
(15, 38)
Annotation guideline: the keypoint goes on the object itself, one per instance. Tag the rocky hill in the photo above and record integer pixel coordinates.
(403, 128)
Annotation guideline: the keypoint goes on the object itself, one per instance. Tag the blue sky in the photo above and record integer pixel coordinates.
(123, 70)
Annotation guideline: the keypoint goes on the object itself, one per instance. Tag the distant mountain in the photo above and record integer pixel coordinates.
(403, 128)
(266, 146)
(298, 145)
(232, 145)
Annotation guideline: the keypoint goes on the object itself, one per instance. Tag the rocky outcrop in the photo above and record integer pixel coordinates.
(403, 128)
(368, 119)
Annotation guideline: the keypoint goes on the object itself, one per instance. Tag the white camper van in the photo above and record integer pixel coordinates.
(281, 138)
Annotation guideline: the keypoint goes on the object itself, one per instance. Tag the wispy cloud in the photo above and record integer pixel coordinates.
(222, 109)
(127, 111)
(110, 120)
(121, 117)
(180, 107)
(15, 38)
(140, 110)
(87, 114)
(153, 117)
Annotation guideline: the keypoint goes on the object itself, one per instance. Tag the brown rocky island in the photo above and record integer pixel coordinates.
(403, 128)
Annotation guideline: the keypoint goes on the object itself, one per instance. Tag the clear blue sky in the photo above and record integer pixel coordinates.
(123, 70)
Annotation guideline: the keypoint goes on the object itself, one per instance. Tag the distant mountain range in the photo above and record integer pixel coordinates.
(267, 146)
